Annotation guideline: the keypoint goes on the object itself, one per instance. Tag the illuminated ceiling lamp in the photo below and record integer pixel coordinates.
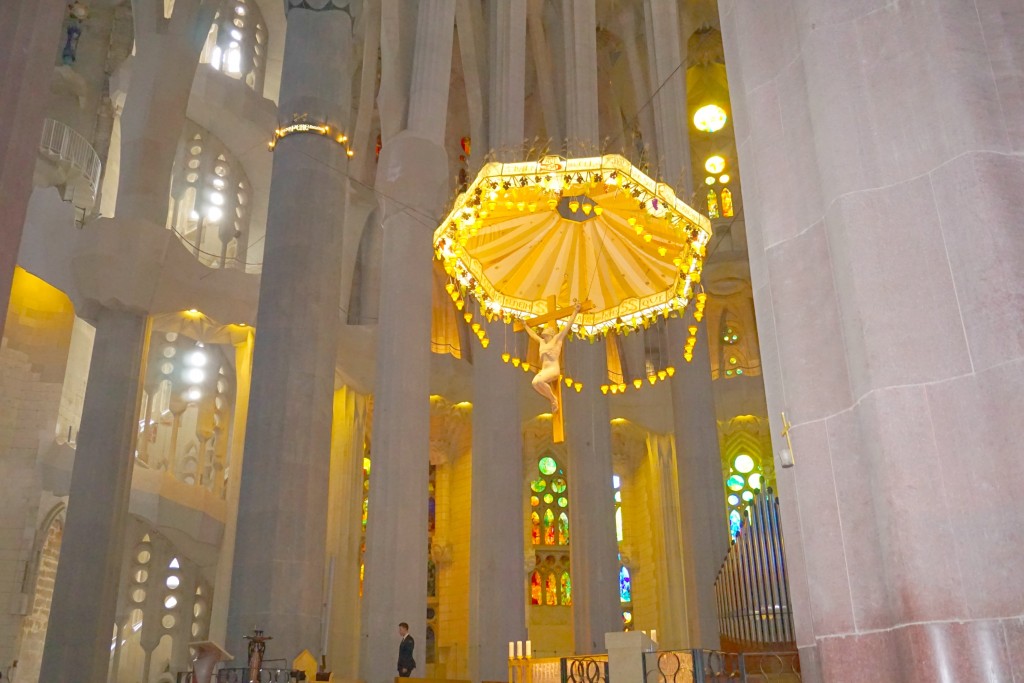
(710, 118)
(714, 165)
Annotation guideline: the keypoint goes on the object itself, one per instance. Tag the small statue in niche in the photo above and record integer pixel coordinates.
(77, 14)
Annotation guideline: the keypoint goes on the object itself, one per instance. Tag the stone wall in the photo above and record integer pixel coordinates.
(33, 627)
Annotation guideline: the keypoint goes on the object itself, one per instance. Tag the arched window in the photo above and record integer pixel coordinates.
(625, 587)
(566, 589)
(187, 407)
(551, 582)
(210, 200)
(237, 43)
(726, 202)
(712, 204)
(549, 504)
(625, 584)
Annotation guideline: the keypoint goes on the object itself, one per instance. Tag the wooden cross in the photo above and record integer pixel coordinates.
(554, 313)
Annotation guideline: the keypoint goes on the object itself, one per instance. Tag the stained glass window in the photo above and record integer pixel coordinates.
(549, 527)
(551, 584)
(734, 523)
(712, 204)
(726, 202)
(618, 524)
(625, 587)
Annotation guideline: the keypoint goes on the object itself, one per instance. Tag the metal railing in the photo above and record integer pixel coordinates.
(62, 144)
(241, 675)
(716, 666)
(585, 669)
(752, 588)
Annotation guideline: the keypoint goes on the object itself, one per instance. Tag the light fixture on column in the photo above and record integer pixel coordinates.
(303, 124)
(786, 454)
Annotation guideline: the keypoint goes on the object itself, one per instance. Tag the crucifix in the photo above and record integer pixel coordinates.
(547, 381)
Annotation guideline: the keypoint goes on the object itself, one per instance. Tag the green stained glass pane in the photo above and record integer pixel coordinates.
(735, 482)
(566, 589)
(563, 529)
(547, 466)
(562, 501)
(548, 498)
(538, 485)
(549, 527)
(558, 485)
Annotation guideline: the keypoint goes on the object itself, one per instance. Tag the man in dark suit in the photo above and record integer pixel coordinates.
(406, 663)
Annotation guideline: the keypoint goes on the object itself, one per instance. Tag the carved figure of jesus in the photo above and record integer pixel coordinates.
(550, 340)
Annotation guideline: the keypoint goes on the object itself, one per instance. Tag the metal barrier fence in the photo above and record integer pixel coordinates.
(716, 666)
(587, 669)
(241, 675)
(752, 588)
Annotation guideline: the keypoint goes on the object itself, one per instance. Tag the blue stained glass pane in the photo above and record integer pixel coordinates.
(734, 523)
(625, 588)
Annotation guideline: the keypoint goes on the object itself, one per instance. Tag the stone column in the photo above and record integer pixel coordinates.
(162, 70)
(705, 531)
(412, 181)
(497, 591)
(593, 546)
(30, 34)
(85, 593)
(881, 152)
(278, 576)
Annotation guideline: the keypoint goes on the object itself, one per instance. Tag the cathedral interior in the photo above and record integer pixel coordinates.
(272, 271)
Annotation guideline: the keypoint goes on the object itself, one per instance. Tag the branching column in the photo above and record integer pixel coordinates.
(698, 461)
(30, 33)
(497, 596)
(85, 593)
(279, 560)
(412, 181)
(593, 546)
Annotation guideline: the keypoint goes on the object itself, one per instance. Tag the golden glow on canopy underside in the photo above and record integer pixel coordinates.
(635, 254)
(710, 118)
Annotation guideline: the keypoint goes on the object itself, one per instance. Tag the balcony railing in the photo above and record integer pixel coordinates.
(77, 167)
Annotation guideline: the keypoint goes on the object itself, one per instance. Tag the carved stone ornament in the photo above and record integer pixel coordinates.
(318, 5)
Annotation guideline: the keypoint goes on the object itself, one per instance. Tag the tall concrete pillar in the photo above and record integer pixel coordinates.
(497, 590)
(163, 68)
(279, 561)
(698, 461)
(85, 593)
(412, 182)
(30, 36)
(881, 153)
(593, 546)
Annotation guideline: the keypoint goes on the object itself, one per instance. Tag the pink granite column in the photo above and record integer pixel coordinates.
(30, 36)
(881, 150)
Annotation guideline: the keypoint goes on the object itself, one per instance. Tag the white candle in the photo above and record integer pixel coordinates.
(511, 650)
(519, 649)
(654, 634)
(529, 649)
